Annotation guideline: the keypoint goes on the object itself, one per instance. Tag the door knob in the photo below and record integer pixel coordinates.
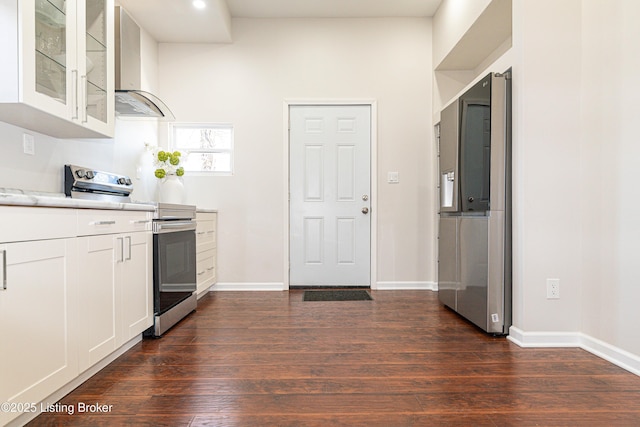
(365, 210)
(365, 197)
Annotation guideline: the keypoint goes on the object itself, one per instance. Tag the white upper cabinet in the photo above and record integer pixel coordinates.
(58, 73)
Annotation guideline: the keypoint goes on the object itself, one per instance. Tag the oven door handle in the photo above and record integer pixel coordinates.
(4, 270)
(172, 227)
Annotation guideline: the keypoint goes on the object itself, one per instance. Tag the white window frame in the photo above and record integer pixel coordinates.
(174, 146)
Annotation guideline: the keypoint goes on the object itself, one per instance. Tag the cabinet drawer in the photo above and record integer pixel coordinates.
(205, 266)
(205, 230)
(21, 224)
(203, 244)
(205, 238)
(93, 222)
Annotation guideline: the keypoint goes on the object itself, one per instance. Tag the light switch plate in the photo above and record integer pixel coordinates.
(393, 178)
(28, 144)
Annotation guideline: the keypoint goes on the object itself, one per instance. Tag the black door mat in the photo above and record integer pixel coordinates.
(337, 295)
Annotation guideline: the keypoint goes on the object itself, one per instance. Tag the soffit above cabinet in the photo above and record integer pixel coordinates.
(490, 32)
(177, 21)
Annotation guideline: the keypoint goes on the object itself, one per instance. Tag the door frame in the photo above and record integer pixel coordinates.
(373, 245)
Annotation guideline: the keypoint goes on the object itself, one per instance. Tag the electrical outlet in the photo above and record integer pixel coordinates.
(553, 288)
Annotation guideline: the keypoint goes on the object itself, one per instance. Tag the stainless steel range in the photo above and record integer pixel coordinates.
(174, 243)
(174, 265)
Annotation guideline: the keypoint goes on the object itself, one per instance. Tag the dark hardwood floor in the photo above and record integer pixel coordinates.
(270, 359)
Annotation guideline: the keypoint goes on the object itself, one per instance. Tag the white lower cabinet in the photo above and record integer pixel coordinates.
(206, 250)
(115, 288)
(39, 325)
(67, 302)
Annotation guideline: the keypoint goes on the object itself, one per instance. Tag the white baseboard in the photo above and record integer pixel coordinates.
(277, 286)
(543, 339)
(608, 352)
(393, 286)
(248, 286)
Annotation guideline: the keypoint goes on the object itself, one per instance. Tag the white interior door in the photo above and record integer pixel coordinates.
(330, 188)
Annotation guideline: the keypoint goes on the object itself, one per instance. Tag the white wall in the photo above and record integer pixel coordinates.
(609, 192)
(245, 83)
(576, 104)
(547, 133)
(44, 171)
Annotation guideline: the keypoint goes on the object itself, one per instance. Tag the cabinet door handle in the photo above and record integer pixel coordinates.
(128, 257)
(120, 249)
(85, 97)
(74, 94)
(201, 273)
(210, 268)
(4, 270)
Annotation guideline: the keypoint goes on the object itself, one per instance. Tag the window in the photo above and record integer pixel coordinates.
(208, 147)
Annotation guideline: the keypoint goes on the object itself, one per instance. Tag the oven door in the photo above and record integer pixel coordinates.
(174, 263)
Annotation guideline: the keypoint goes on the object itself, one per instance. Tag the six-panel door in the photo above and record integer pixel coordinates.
(330, 188)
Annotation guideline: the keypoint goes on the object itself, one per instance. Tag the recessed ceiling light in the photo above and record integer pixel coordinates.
(199, 4)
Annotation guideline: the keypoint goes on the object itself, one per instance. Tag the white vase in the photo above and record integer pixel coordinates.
(171, 190)
(146, 183)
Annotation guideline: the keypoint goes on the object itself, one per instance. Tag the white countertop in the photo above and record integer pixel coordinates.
(13, 197)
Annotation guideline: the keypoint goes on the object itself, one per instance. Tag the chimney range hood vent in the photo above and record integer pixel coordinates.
(130, 100)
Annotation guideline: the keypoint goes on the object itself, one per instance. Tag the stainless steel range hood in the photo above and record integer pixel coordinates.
(131, 101)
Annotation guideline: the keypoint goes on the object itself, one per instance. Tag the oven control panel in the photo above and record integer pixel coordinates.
(88, 180)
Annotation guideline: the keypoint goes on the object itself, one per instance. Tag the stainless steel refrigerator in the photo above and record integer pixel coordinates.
(474, 238)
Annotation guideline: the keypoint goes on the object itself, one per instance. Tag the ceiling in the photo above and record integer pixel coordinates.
(177, 21)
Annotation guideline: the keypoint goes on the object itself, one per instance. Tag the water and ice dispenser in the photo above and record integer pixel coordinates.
(447, 184)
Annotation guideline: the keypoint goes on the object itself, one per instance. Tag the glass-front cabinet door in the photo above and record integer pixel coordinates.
(96, 47)
(51, 49)
(49, 65)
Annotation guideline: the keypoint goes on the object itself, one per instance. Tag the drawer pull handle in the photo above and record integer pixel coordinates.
(201, 273)
(104, 222)
(210, 268)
